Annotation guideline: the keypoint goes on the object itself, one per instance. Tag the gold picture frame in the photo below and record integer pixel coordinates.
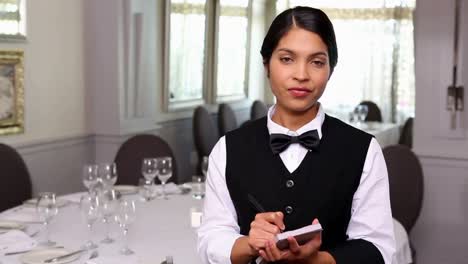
(11, 92)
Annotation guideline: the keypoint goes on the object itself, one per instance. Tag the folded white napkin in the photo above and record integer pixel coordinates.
(74, 198)
(14, 241)
(170, 188)
(22, 214)
(131, 259)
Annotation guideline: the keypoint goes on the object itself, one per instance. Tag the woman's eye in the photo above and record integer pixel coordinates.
(285, 59)
(318, 63)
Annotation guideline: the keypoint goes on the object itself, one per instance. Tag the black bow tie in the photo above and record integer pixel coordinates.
(279, 142)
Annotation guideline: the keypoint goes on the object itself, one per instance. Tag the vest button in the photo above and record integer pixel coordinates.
(288, 209)
(289, 183)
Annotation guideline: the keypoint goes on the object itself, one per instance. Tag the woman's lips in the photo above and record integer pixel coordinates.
(299, 91)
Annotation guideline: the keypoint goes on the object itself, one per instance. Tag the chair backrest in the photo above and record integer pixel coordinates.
(374, 113)
(131, 153)
(15, 185)
(405, 177)
(226, 119)
(258, 110)
(406, 137)
(205, 134)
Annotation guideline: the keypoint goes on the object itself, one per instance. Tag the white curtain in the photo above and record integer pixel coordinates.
(11, 20)
(187, 49)
(375, 55)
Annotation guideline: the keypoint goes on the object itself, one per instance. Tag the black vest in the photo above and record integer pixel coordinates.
(321, 187)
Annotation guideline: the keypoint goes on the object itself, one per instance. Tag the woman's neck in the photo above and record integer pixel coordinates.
(294, 120)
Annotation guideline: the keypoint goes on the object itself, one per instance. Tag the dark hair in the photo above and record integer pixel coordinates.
(308, 18)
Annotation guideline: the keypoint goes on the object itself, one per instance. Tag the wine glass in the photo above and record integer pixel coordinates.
(164, 173)
(109, 205)
(204, 165)
(125, 217)
(90, 176)
(89, 207)
(361, 113)
(149, 168)
(46, 208)
(108, 175)
(146, 189)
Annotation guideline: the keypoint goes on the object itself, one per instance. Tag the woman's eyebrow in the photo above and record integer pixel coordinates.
(318, 53)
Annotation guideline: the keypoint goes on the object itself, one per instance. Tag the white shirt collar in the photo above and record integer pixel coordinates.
(315, 123)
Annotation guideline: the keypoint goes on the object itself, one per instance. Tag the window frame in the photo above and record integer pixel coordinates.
(210, 62)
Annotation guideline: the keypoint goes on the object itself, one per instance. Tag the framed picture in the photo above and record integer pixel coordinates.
(11, 92)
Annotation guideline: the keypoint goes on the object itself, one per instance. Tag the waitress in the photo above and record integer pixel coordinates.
(299, 164)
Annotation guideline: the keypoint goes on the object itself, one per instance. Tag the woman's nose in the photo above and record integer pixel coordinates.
(301, 74)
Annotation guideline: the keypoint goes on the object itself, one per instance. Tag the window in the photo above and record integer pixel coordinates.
(208, 48)
(375, 55)
(12, 19)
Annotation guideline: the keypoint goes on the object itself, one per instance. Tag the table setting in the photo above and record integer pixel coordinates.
(107, 224)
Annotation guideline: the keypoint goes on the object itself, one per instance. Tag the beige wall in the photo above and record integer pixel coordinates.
(54, 81)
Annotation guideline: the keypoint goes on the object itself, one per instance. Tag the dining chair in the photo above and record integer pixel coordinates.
(205, 134)
(129, 157)
(374, 113)
(226, 119)
(406, 185)
(15, 186)
(258, 110)
(406, 137)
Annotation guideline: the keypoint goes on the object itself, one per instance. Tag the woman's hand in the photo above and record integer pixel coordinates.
(308, 253)
(264, 228)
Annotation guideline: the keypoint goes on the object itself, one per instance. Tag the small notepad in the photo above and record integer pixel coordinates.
(302, 235)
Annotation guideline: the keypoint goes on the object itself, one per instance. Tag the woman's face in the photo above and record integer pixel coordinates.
(299, 70)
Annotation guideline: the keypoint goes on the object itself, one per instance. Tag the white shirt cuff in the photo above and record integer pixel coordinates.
(219, 249)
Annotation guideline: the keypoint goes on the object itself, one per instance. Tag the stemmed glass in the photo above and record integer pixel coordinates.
(108, 175)
(90, 176)
(204, 165)
(47, 209)
(89, 206)
(164, 173)
(361, 113)
(146, 189)
(149, 168)
(109, 205)
(125, 217)
(198, 181)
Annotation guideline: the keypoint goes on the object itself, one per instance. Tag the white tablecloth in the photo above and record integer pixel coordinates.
(163, 228)
(385, 133)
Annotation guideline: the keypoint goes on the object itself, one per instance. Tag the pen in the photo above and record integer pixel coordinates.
(255, 203)
(260, 209)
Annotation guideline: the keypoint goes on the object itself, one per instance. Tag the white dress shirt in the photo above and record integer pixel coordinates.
(371, 217)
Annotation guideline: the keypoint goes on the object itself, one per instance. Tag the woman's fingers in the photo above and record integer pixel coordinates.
(265, 226)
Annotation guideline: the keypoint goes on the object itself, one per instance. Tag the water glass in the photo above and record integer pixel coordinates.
(89, 207)
(204, 165)
(108, 175)
(47, 209)
(164, 173)
(198, 186)
(149, 168)
(126, 216)
(147, 189)
(361, 113)
(109, 205)
(90, 176)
